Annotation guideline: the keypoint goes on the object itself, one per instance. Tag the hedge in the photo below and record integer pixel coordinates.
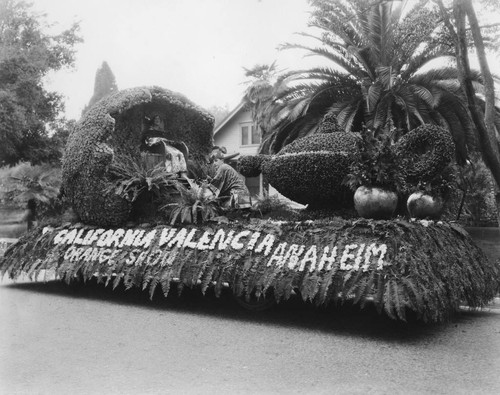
(329, 124)
(250, 165)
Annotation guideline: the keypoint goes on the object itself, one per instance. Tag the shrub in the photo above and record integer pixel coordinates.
(329, 124)
(250, 165)
(39, 184)
(114, 126)
(338, 142)
(378, 164)
(131, 178)
(195, 204)
(442, 185)
(473, 202)
(425, 152)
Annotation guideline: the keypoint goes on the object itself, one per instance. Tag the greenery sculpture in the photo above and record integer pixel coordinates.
(114, 127)
(426, 151)
(310, 170)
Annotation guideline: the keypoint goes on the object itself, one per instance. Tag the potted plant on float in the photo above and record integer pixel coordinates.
(141, 184)
(376, 177)
(427, 199)
(196, 204)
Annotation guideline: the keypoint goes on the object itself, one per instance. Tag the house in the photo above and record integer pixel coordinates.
(240, 135)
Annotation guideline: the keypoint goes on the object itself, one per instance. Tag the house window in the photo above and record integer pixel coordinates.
(250, 134)
(253, 185)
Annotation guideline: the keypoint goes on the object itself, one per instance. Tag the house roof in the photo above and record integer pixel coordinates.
(230, 116)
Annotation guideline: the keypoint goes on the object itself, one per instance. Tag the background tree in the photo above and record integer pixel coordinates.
(260, 93)
(60, 130)
(482, 111)
(27, 54)
(105, 84)
(219, 113)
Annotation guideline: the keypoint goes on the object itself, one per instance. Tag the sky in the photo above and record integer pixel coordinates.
(195, 47)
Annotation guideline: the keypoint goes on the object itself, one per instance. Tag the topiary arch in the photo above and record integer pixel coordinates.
(115, 126)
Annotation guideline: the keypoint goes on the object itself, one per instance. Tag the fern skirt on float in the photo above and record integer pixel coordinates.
(429, 268)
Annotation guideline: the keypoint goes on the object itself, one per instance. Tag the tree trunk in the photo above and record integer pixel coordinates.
(489, 92)
(489, 87)
(484, 124)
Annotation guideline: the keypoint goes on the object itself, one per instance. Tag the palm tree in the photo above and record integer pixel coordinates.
(259, 93)
(37, 187)
(388, 68)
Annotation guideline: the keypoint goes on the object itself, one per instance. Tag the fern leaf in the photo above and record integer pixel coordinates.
(207, 276)
(145, 281)
(326, 284)
(419, 303)
(174, 214)
(398, 301)
(117, 280)
(152, 286)
(186, 215)
(361, 288)
(310, 286)
(165, 279)
(219, 283)
(388, 300)
(379, 298)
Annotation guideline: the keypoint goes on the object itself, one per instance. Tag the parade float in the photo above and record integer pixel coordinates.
(147, 216)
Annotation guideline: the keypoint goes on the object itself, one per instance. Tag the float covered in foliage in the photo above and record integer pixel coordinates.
(427, 267)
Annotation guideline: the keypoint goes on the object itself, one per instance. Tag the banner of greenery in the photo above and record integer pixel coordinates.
(430, 268)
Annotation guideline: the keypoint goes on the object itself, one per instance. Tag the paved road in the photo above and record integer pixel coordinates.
(58, 340)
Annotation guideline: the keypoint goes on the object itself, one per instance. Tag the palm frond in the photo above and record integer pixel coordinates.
(348, 112)
(289, 131)
(378, 72)
(339, 59)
